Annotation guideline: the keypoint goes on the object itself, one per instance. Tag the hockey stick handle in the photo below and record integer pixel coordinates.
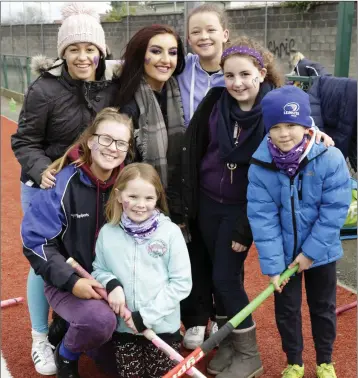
(346, 307)
(11, 302)
(84, 274)
(223, 332)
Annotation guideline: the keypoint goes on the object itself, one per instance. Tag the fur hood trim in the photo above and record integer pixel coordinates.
(41, 64)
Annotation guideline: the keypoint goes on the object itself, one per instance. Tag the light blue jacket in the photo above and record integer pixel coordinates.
(155, 275)
(302, 214)
(194, 84)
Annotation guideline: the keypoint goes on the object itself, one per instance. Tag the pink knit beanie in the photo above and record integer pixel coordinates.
(80, 24)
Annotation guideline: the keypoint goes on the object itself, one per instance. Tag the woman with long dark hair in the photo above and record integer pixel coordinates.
(150, 95)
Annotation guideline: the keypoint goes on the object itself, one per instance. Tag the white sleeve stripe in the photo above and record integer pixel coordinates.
(312, 68)
(44, 257)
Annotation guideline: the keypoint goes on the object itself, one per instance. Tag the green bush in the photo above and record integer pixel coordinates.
(303, 6)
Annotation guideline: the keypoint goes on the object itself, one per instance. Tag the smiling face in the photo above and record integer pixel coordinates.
(243, 79)
(206, 35)
(105, 159)
(139, 199)
(286, 135)
(160, 60)
(82, 61)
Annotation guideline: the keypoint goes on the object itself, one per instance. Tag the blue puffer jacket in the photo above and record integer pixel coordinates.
(334, 110)
(300, 214)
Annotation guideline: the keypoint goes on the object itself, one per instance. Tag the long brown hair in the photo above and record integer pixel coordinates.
(82, 142)
(133, 67)
(130, 172)
(273, 74)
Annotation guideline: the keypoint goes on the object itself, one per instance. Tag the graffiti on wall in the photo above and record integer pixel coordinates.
(282, 49)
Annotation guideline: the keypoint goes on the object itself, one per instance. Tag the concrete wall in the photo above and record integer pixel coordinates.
(313, 33)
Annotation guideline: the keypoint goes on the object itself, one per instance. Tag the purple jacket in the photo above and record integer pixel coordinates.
(215, 177)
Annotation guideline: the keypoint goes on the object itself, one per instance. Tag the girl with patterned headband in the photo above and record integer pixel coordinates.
(222, 136)
(208, 34)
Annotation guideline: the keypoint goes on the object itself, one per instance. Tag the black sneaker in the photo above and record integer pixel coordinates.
(57, 330)
(65, 368)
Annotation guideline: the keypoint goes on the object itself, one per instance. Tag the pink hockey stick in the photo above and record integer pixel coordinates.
(11, 302)
(148, 333)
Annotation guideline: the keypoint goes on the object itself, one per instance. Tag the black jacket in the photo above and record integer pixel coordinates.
(64, 222)
(334, 110)
(184, 191)
(306, 67)
(56, 110)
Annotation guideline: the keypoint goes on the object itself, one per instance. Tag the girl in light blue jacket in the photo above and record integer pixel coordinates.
(142, 260)
(298, 197)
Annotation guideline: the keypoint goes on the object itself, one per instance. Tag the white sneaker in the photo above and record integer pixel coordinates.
(42, 354)
(194, 337)
(213, 328)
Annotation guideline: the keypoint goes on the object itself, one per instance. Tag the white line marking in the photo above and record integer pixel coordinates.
(9, 119)
(346, 287)
(4, 370)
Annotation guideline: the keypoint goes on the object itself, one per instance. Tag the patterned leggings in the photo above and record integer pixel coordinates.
(141, 359)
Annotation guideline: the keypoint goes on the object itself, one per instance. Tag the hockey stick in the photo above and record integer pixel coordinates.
(223, 332)
(346, 307)
(148, 333)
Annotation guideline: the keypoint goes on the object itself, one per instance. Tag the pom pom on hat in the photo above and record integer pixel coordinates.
(80, 24)
(73, 9)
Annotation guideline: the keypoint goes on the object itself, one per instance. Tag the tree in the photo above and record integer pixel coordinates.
(304, 6)
(118, 11)
(32, 14)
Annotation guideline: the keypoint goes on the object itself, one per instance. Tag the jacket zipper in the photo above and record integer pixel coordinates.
(134, 274)
(209, 84)
(292, 185)
(221, 183)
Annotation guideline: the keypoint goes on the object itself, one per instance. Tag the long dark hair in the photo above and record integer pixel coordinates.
(133, 57)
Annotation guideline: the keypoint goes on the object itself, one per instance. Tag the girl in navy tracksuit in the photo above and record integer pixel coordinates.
(64, 222)
(298, 198)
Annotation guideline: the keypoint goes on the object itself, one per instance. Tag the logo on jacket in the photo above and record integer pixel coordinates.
(291, 108)
(79, 216)
(157, 248)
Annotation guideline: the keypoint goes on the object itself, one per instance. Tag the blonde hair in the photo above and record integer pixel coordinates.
(273, 74)
(132, 171)
(295, 57)
(82, 142)
(210, 8)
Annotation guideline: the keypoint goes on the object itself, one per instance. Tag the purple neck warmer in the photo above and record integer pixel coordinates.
(287, 161)
(140, 231)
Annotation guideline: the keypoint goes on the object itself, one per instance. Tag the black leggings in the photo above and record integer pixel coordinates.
(217, 222)
(321, 284)
(139, 358)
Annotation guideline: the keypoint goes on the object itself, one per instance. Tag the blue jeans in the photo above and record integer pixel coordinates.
(37, 302)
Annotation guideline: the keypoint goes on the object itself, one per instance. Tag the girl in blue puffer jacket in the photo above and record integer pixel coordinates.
(298, 198)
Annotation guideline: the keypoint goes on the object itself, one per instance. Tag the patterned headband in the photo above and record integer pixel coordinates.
(244, 50)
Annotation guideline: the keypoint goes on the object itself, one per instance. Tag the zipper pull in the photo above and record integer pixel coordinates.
(292, 186)
(300, 176)
(236, 130)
